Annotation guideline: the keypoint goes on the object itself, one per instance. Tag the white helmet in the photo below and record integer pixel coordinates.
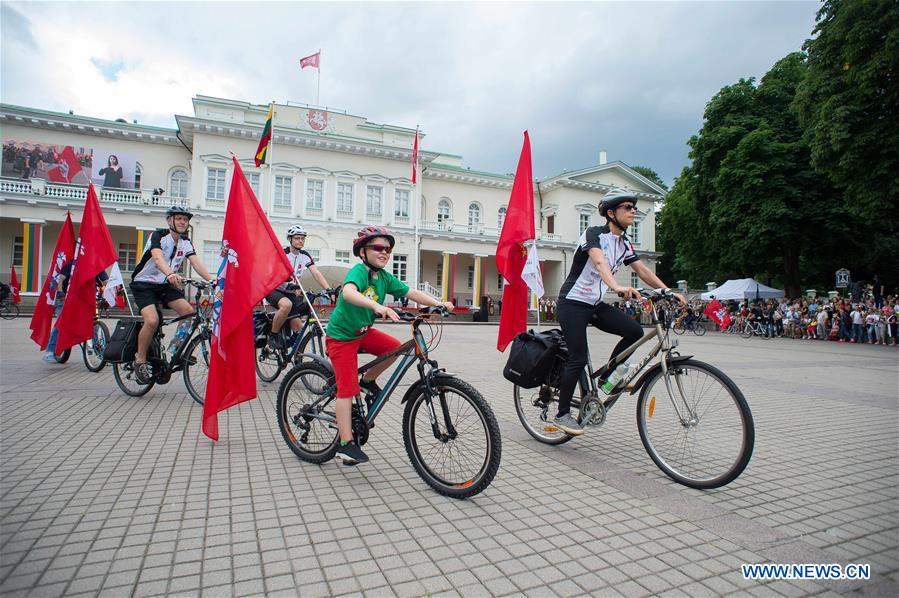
(295, 230)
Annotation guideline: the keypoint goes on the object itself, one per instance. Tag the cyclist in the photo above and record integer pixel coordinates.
(350, 327)
(156, 280)
(601, 252)
(291, 302)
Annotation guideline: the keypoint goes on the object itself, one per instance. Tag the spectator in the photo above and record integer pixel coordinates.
(857, 320)
(822, 325)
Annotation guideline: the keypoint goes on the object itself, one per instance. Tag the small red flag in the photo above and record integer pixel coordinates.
(94, 252)
(253, 263)
(14, 285)
(63, 251)
(511, 253)
(313, 61)
(415, 158)
(717, 312)
(67, 167)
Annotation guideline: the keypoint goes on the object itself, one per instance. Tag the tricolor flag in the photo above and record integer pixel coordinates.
(43, 309)
(262, 149)
(14, 285)
(313, 61)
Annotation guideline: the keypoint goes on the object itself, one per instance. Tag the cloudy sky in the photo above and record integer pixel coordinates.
(629, 77)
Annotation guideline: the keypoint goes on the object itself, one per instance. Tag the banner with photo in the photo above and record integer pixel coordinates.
(53, 162)
(114, 170)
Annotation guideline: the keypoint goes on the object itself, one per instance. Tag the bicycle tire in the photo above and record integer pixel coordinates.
(698, 329)
(315, 335)
(268, 364)
(296, 387)
(196, 374)
(9, 311)
(96, 348)
(64, 356)
(678, 328)
(547, 433)
(657, 421)
(467, 484)
(124, 375)
(746, 332)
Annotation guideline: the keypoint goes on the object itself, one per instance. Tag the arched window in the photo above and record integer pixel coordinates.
(474, 214)
(178, 184)
(500, 218)
(137, 173)
(444, 210)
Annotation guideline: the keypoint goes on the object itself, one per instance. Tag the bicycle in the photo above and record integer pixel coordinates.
(8, 309)
(191, 358)
(450, 433)
(754, 328)
(295, 345)
(93, 348)
(679, 430)
(680, 326)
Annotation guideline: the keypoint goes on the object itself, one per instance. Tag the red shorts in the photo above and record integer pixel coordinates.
(344, 356)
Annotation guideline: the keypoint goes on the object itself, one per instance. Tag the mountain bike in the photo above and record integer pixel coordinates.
(693, 421)
(681, 326)
(8, 309)
(191, 357)
(753, 328)
(450, 433)
(270, 362)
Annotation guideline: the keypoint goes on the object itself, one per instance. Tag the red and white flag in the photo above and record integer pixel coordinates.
(63, 251)
(717, 312)
(94, 252)
(66, 168)
(253, 263)
(313, 61)
(516, 252)
(14, 285)
(415, 158)
(113, 284)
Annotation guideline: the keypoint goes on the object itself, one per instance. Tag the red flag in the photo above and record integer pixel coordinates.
(94, 252)
(717, 312)
(14, 285)
(313, 61)
(67, 167)
(511, 254)
(415, 158)
(253, 263)
(43, 309)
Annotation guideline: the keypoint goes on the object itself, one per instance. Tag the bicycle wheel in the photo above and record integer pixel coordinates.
(307, 390)
(92, 350)
(196, 367)
(268, 364)
(313, 342)
(698, 329)
(536, 409)
(457, 466)
(678, 328)
(64, 356)
(746, 332)
(127, 381)
(9, 311)
(713, 446)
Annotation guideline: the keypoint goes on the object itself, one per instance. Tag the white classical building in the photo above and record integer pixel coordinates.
(330, 171)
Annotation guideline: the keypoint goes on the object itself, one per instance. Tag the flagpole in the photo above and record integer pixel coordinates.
(416, 209)
(318, 78)
(271, 163)
(296, 281)
(534, 244)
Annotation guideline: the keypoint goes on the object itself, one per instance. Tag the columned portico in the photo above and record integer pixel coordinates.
(448, 282)
(32, 241)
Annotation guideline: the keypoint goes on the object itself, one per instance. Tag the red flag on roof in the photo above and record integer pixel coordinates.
(43, 309)
(311, 61)
(252, 264)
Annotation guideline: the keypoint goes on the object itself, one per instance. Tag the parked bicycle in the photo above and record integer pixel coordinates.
(693, 421)
(8, 309)
(191, 357)
(450, 433)
(270, 362)
(754, 328)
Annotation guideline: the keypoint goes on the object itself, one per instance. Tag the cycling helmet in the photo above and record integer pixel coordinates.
(175, 210)
(367, 234)
(295, 230)
(612, 200)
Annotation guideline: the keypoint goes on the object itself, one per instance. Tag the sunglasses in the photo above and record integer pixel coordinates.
(381, 248)
(628, 206)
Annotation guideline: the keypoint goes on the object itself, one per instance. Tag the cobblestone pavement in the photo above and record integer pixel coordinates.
(105, 494)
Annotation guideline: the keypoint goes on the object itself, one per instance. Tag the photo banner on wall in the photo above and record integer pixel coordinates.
(114, 169)
(53, 162)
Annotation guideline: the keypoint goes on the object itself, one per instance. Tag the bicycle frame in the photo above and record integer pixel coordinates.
(174, 363)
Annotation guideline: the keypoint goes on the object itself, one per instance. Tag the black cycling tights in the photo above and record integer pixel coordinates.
(574, 317)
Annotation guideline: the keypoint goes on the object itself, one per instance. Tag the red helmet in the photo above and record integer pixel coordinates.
(367, 234)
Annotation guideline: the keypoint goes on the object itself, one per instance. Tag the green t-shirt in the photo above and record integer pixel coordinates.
(349, 322)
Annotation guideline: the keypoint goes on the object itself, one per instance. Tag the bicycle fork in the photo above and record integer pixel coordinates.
(430, 394)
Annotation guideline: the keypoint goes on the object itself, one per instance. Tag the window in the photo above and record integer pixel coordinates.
(215, 185)
(499, 281)
(342, 257)
(315, 253)
(444, 211)
(550, 224)
(471, 277)
(137, 173)
(253, 179)
(127, 256)
(634, 233)
(345, 198)
(315, 191)
(474, 214)
(401, 203)
(373, 201)
(399, 266)
(635, 280)
(283, 193)
(439, 281)
(18, 249)
(212, 255)
(585, 223)
(500, 218)
(178, 184)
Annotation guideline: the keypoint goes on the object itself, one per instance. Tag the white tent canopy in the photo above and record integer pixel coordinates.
(742, 288)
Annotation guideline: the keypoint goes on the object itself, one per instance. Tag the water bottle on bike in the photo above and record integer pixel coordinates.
(617, 376)
(180, 335)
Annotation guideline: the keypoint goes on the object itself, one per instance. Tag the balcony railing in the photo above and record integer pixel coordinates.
(427, 288)
(39, 188)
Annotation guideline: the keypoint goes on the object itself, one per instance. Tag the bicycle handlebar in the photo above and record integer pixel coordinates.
(437, 310)
(200, 284)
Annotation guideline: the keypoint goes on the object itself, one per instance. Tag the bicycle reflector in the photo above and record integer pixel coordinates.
(652, 405)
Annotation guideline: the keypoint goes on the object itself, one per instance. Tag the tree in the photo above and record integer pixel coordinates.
(651, 174)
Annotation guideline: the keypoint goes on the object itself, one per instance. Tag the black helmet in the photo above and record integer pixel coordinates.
(176, 210)
(615, 198)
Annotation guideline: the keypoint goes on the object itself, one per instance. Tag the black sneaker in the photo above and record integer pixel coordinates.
(351, 454)
(276, 341)
(371, 387)
(143, 372)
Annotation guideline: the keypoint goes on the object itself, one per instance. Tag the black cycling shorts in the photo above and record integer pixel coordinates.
(300, 307)
(151, 293)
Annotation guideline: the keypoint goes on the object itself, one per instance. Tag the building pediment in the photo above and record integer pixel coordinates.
(603, 177)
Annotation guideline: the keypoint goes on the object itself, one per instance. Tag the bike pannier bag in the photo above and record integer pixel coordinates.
(262, 326)
(122, 344)
(532, 356)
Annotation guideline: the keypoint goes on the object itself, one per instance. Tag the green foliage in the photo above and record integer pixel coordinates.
(651, 174)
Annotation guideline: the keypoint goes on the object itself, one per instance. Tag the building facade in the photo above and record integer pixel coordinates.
(330, 171)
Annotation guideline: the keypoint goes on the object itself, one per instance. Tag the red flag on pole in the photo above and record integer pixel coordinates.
(66, 168)
(311, 61)
(63, 251)
(94, 252)
(253, 263)
(717, 312)
(511, 253)
(415, 158)
(14, 285)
